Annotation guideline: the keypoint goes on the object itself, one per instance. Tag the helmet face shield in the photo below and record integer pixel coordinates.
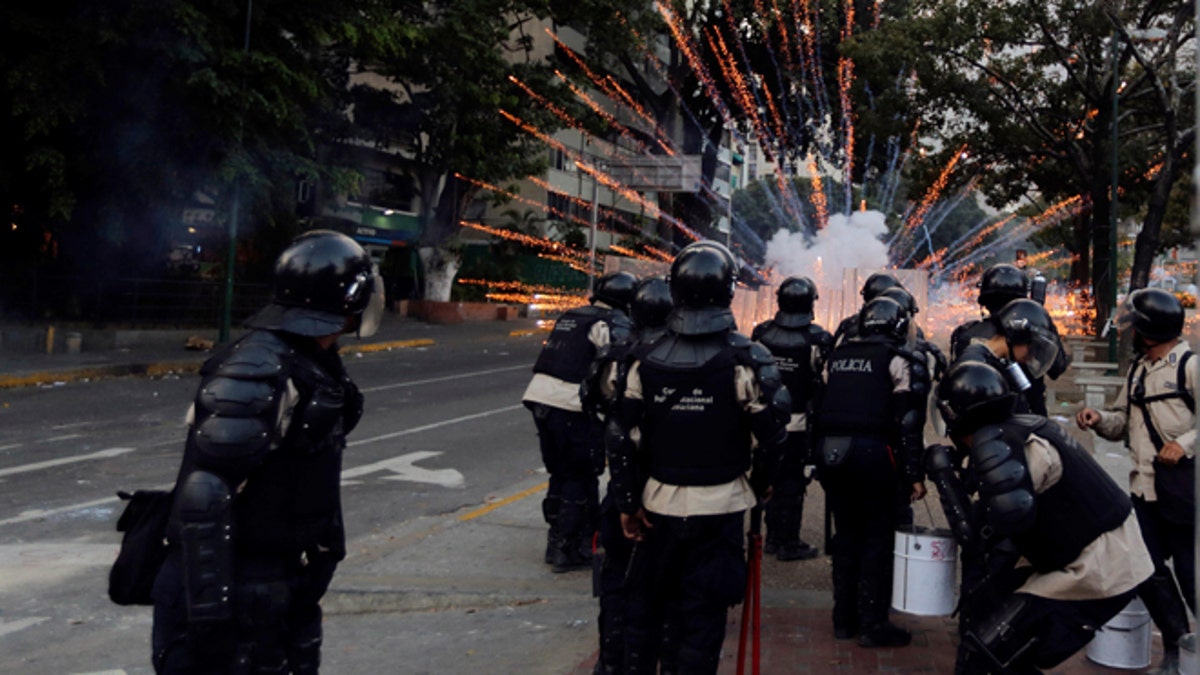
(1122, 318)
(372, 315)
(1042, 349)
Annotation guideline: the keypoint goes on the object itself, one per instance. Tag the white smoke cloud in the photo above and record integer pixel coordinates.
(847, 242)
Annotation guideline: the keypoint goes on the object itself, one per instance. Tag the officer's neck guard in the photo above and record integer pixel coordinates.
(793, 319)
(701, 321)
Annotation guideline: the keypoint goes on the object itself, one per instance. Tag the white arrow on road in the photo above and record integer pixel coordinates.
(36, 466)
(402, 469)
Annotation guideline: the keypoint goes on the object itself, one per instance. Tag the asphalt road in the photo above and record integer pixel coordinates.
(443, 432)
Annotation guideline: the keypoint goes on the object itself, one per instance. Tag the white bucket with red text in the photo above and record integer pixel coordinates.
(1123, 642)
(924, 576)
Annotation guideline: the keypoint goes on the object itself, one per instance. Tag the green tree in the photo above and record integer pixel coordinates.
(123, 111)
(451, 107)
(1028, 87)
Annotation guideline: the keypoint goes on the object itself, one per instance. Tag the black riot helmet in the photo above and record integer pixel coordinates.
(1152, 313)
(321, 279)
(615, 289)
(972, 395)
(652, 303)
(1025, 322)
(883, 316)
(795, 297)
(901, 295)
(1000, 285)
(878, 283)
(703, 276)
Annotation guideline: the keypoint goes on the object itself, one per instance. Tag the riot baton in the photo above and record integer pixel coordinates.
(751, 606)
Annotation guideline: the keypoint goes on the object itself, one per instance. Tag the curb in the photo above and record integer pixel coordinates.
(160, 369)
(99, 372)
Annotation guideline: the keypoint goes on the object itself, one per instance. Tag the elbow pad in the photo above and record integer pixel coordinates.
(204, 507)
(624, 482)
(1005, 486)
(939, 464)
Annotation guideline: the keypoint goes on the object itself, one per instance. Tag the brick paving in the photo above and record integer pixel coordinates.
(800, 640)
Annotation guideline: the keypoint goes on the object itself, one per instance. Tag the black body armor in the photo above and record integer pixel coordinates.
(568, 352)
(285, 490)
(793, 352)
(1084, 504)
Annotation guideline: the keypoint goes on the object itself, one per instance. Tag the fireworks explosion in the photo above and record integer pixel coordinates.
(838, 238)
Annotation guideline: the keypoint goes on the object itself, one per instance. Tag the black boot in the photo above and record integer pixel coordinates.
(1166, 608)
(550, 508)
(845, 601)
(576, 549)
(876, 629)
(797, 550)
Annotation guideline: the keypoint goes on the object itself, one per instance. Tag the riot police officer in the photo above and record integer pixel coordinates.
(1155, 414)
(255, 531)
(870, 431)
(872, 287)
(683, 466)
(999, 285)
(1041, 497)
(571, 441)
(650, 308)
(800, 348)
(1023, 346)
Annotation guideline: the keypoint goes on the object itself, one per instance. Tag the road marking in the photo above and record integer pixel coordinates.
(34, 514)
(36, 466)
(435, 425)
(403, 469)
(10, 446)
(484, 510)
(448, 378)
(55, 439)
(7, 627)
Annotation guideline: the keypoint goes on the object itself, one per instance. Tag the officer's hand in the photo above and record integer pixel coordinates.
(635, 525)
(1171, 453)
(1087, 418)
(918, 492)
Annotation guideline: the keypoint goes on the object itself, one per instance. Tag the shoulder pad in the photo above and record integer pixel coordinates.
(761, 328)
(739, 341)
(260, 355)
(761, 355)
(620, 328)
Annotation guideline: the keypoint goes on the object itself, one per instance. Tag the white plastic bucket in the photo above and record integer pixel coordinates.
(1123, 642)
(1189, 662)
(923, 576)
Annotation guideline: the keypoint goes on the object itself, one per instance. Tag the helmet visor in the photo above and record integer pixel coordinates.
(372, 316)
(1122, 318)
(1042, 351)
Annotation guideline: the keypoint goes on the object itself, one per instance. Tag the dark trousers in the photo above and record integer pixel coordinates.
(861, 494)
(1030, 633)
(276, 624)
(1167, 540)
(688, 571)
(572, 446)
(785, 511)
(610, 586)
